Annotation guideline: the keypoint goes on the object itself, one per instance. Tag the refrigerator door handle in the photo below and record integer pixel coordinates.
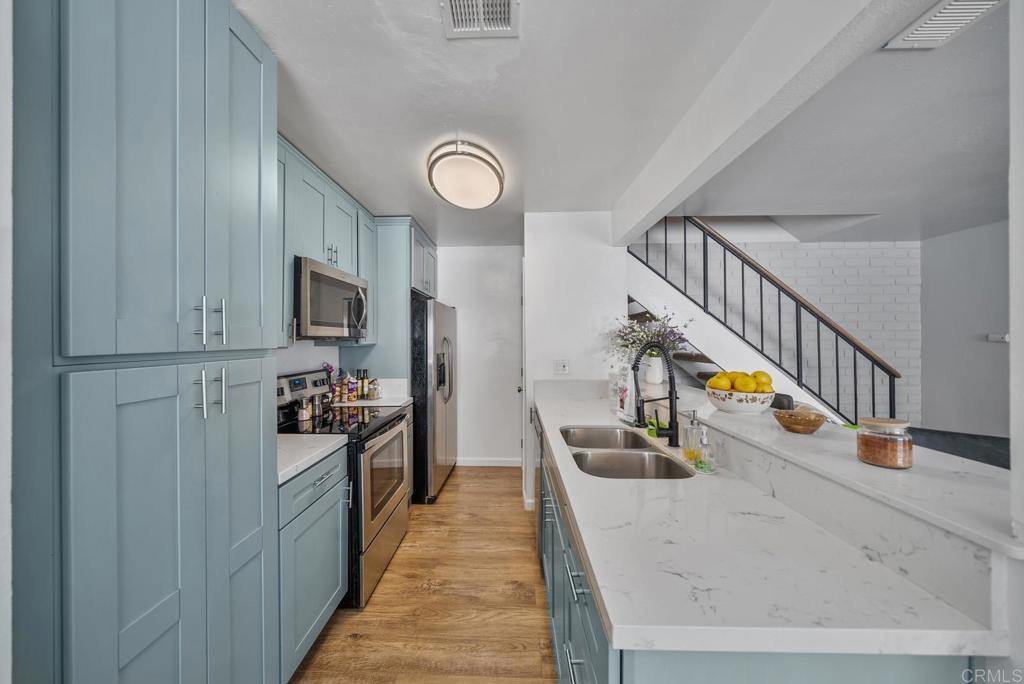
(450, 376)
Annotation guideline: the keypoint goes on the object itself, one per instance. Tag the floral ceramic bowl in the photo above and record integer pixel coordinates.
(732, 401)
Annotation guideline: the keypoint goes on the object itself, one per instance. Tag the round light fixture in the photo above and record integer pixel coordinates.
(465, 175)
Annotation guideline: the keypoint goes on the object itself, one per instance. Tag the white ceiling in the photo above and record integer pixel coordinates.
(903, 145)
(573, 108)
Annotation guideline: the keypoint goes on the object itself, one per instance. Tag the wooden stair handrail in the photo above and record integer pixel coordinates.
(792, 294)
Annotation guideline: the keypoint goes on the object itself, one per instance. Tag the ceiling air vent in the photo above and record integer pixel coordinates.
(480, 18)
(939, 24)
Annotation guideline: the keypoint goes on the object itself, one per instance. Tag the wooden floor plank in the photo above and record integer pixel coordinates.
(461, 603)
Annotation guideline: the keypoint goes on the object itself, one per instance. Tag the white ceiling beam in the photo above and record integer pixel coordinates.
(794, 48)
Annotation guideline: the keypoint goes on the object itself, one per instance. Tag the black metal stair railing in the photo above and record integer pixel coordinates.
(770, 316)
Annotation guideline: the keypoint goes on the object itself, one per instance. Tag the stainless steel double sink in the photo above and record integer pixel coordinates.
(618, 453)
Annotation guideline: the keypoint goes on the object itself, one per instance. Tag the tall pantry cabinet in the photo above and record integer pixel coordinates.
(169, 251)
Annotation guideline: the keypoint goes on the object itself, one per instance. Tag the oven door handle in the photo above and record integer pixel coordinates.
(375, 443)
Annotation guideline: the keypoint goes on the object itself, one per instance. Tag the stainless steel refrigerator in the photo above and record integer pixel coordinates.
(435, 382)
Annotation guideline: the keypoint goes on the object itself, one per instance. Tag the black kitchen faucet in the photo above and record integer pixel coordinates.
(641, 420)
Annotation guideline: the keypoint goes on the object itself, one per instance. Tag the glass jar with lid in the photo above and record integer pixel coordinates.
(885, 442)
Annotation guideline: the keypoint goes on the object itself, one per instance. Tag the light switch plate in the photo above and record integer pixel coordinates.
(561, 366)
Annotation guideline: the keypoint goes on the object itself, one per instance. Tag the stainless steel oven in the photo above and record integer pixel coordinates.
(329, 303)
(384, 480)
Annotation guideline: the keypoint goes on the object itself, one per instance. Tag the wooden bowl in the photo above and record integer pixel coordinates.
(801, 421)
(732, 401)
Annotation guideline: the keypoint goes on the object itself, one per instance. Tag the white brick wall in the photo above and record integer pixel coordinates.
(871, 289)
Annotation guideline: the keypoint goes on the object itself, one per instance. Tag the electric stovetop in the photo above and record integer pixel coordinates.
(355, 421)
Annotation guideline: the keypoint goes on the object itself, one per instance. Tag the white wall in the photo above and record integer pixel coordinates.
(964, 297)
(574, 290)
(5, 338)
(485, 286)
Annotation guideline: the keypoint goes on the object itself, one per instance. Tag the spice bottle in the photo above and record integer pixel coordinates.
(885, 442)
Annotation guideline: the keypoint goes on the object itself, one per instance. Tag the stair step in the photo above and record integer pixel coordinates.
(690, 357)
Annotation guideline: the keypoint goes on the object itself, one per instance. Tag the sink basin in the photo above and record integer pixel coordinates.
(630, 465)
(603, 438)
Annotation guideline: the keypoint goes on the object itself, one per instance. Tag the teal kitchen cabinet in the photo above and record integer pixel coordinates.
(170, 546)
(314, 571)
(134, 526)
(321, 221)
(133, 175)
(167, 184)
(368, 268)
(241, 512)
(424, 262)
(340, 235)
(305, 218)
(243, 246)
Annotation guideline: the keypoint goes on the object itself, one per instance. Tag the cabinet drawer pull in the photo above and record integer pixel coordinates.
(223, 380)
(572, 662)
(202, 330)
(576, 591)
(348, 500)
(202, 381)
(323, 478)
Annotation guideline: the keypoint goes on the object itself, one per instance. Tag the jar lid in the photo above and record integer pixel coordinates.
(884, 424)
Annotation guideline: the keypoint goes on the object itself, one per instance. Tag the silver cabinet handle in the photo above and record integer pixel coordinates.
(223, 311)
(202, 330)
(572, 662)
(576, 591)
(323, 478)
(202, 381)
(349, 499)
(224, 320)
(223, 380)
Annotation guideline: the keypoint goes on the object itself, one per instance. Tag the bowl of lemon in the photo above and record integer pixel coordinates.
(739, 392)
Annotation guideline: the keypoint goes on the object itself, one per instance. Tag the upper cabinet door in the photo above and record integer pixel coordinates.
(305, 215)
(133, 118)
(430, 271)
(419, 248)
(340, 235)
(241, 535)
(242, 246)
(282, 202)
(134, 526)
(368, 269)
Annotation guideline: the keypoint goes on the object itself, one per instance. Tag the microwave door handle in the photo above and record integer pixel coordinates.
(362, 297)
(440, 379)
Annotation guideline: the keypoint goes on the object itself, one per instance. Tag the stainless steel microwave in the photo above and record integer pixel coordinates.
(329, 303)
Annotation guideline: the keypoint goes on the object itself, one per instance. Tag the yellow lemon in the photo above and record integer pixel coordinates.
(764, 388)
(762, 377)
(720, 382)
(732, 375)
(744, 383)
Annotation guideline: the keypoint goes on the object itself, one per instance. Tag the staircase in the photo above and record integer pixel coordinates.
(726, 285)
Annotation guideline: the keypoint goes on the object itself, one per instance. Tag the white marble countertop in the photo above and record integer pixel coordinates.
(965, 497)
(383, 401)
(296, 453)
(712, 563)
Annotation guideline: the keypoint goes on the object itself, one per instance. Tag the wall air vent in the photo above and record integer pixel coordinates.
(941, 23)
(480, 18)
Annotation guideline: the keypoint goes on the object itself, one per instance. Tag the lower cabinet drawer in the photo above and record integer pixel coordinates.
(314, 573)
(295, 495)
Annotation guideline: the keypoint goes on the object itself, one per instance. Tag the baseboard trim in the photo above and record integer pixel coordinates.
(496, 462)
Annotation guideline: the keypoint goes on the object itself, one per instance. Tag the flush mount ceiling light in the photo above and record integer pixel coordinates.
(465, 175)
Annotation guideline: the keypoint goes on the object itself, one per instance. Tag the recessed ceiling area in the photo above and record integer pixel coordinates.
(903, 145)
(572, 108)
